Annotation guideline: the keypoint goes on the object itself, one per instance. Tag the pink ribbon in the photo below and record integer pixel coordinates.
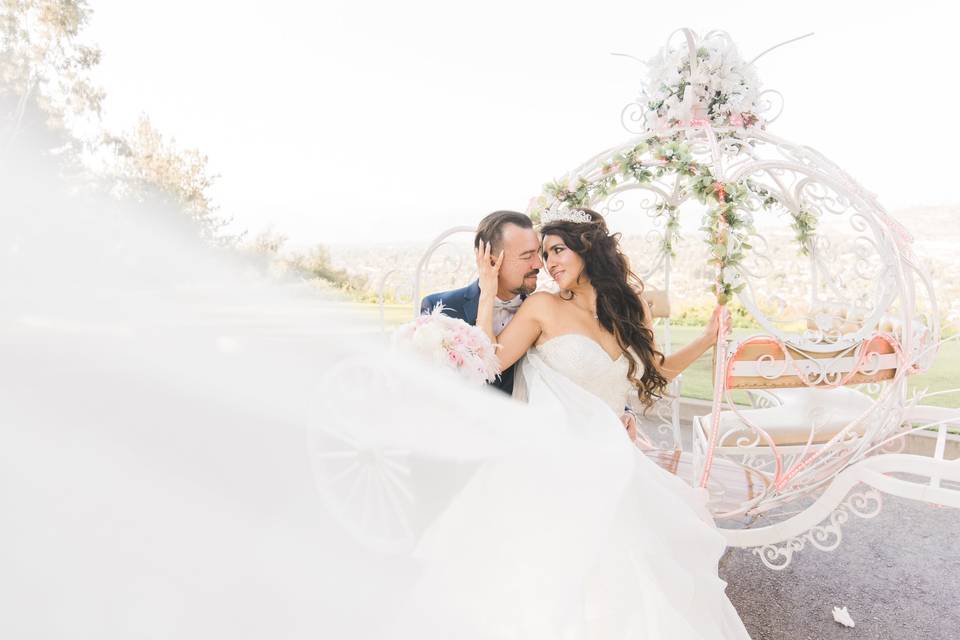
(718, 388)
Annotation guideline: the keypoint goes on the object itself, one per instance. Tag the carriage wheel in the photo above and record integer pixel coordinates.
(363, 481)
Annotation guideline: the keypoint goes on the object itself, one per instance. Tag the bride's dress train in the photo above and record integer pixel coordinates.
(582, 536)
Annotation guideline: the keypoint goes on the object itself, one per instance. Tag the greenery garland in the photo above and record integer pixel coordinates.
(727, 223)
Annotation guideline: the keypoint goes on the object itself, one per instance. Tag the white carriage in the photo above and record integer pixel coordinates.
(814, 404)
(846, 314)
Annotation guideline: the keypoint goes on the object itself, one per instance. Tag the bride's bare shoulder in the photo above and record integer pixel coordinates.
(542, 298)
(540, 302)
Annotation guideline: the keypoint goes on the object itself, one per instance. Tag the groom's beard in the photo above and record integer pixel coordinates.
(523, 289)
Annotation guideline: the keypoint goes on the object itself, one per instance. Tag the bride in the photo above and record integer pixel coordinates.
(597, 541)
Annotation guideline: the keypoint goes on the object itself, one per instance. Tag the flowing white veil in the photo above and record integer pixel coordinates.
(190, 450)
(171, 426)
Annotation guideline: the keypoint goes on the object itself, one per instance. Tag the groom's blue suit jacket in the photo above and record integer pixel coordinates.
(462, 303)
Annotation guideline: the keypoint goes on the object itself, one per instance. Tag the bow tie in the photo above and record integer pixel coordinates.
(509, 305)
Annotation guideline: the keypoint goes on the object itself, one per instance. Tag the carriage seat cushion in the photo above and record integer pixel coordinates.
(831, 409)
(658, 301)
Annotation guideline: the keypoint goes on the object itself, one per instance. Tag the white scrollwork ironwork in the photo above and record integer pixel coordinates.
(825, 537)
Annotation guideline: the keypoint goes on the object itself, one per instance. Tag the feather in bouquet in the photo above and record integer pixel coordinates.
(450, 342)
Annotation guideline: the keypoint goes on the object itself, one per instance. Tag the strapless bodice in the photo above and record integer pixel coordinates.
(584, 361)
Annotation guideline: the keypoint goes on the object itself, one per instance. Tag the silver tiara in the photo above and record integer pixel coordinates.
(565, 214)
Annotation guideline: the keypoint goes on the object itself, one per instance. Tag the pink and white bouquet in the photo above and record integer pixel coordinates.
(450, 342)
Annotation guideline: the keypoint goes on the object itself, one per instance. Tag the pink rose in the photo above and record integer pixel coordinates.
(455, 358)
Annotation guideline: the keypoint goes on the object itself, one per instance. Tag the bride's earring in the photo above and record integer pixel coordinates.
(564, 298)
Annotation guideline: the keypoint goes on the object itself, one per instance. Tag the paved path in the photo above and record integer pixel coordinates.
(898, 574)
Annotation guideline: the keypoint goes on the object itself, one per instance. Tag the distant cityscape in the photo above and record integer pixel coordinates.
(389, 269)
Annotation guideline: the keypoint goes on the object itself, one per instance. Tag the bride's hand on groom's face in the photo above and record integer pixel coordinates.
(488, 267)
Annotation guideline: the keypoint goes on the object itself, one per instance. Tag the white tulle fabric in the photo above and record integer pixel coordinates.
(188, 450)
(581, 536)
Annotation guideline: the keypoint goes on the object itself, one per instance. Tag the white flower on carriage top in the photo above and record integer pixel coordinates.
(682, 113)
(716, 82)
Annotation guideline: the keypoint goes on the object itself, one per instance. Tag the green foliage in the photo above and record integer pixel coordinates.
(677, 158)
(727, 222)
(698, 315)
(45, 76)
(804, 225)
(45, 73)
(316, 264)
(44, 65)
(671, 230)
(45, 80)
(949, 329)
(144, 163)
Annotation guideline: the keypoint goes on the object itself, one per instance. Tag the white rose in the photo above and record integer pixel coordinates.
(428, 339)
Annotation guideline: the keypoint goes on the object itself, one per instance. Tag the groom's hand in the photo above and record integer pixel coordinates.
(630, 422)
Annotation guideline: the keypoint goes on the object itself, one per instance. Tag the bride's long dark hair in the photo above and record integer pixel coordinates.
(619, 308)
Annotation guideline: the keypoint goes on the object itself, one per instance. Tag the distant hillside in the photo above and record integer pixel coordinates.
(935, 229)
(931, 224)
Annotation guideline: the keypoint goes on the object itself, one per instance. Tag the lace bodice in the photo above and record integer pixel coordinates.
(584, 361)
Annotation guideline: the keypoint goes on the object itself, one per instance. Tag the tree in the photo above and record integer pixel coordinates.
(46, 87)
(316, 263)
(144, 165)
(45, 69)
(45, 80)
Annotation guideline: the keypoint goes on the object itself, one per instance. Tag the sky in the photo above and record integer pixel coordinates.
(373, 122)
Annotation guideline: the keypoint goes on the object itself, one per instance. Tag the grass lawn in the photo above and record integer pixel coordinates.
(944, 375)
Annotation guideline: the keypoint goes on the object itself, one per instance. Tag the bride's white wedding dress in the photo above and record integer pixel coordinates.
(586, 538)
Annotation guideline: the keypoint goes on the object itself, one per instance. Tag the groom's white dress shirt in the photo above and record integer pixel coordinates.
(503, 312)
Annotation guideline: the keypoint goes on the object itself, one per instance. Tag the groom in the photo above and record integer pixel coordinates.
(512, 233)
